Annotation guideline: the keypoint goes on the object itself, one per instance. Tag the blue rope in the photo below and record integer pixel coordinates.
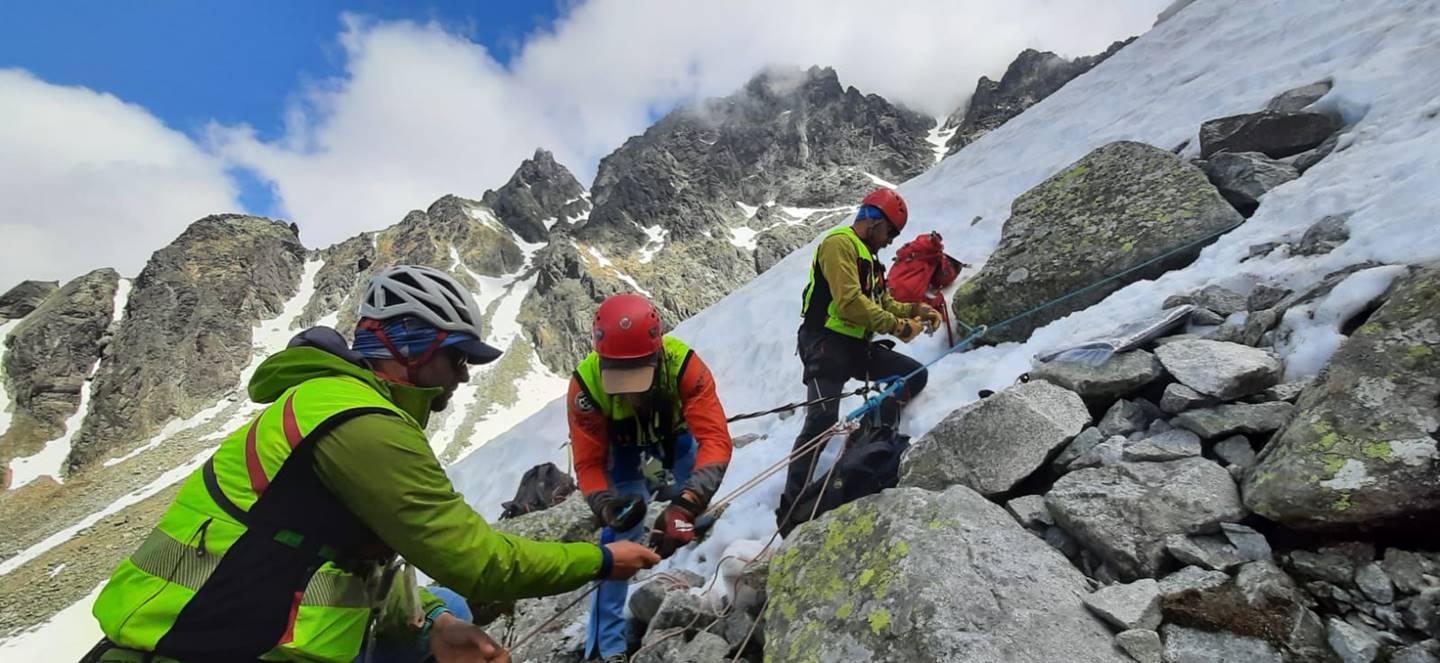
(976, 332)
(890, 389)
(1113, 277)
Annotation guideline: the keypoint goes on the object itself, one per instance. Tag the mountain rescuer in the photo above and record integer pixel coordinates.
(844, 304)
(641, 393)
(275, 547)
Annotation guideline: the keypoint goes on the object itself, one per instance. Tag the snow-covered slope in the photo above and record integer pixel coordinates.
(1216, 58)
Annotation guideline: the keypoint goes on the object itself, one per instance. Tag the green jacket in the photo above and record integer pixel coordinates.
(269, 549)
(846, 292)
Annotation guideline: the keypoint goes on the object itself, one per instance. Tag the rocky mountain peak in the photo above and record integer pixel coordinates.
(1032, 76)
(790, 136)
(20, 300)
(188, 325)
(781, 84)
(451, 233)
(539, 195)
(473, 229)
(49, 356)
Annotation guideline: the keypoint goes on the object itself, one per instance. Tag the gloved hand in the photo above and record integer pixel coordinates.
(675, 527)
(906, 329)
(622, 513)
(929, 317)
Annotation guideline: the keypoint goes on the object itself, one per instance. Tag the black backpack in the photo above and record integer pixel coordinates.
(542, 487)
(869, 464)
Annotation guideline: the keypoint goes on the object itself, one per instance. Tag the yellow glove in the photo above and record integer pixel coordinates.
(906, 329)
(929, 317)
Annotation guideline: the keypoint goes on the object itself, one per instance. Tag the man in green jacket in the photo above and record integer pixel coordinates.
(275, 549)
(844, 305)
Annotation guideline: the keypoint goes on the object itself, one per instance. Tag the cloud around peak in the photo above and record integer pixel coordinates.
(422, 111)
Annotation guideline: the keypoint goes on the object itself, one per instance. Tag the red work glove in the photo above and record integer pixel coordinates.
(675, 527)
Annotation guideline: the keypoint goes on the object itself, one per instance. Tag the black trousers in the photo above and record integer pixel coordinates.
(830, 360)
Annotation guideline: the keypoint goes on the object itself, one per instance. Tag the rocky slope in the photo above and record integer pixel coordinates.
(1032, 76)
(50, 355)
(186, 329)
(20, 300)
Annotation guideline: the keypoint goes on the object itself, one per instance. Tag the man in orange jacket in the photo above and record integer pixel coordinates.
(641, 393)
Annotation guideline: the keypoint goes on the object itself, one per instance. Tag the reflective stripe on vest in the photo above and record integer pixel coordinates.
(147, 591)
(617, 410)
(162, 556)
(833, 322)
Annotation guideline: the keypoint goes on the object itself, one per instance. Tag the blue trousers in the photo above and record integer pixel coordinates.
(605, 635)
(418, 649)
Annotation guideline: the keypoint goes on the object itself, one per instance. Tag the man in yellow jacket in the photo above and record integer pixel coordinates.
(844, 305)
(272, 550)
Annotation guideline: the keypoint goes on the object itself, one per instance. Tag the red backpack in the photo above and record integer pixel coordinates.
(921, 271)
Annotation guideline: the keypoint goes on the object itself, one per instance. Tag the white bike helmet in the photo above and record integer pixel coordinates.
(430, 295)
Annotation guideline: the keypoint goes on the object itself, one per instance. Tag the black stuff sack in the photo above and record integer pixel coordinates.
(869, 464)
(542, 487)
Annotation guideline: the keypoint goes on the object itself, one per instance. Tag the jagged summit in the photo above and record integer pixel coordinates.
(791, 136)
(1032, 76)
(539, 195)
(191, 308)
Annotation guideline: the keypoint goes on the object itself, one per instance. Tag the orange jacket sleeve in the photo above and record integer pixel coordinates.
(706, 419)
(589, 439)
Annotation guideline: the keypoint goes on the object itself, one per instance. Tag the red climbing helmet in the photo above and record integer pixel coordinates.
(627, 337)
(890, 204)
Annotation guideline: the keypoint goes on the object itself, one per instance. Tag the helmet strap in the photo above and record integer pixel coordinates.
(373, 325)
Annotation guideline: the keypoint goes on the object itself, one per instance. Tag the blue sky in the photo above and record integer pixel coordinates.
(194, 62)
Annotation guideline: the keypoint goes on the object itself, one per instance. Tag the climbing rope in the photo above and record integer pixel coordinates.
(1109, 279)
(715, 507)
(799, 404)
(740, 652)
(978, 331)
(850, 420)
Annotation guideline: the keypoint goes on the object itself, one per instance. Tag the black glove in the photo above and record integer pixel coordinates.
(622, 513)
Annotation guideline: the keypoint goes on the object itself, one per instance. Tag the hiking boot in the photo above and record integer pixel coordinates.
(622, 657)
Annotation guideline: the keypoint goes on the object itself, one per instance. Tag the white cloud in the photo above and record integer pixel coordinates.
(87, 180)
(421, 111)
